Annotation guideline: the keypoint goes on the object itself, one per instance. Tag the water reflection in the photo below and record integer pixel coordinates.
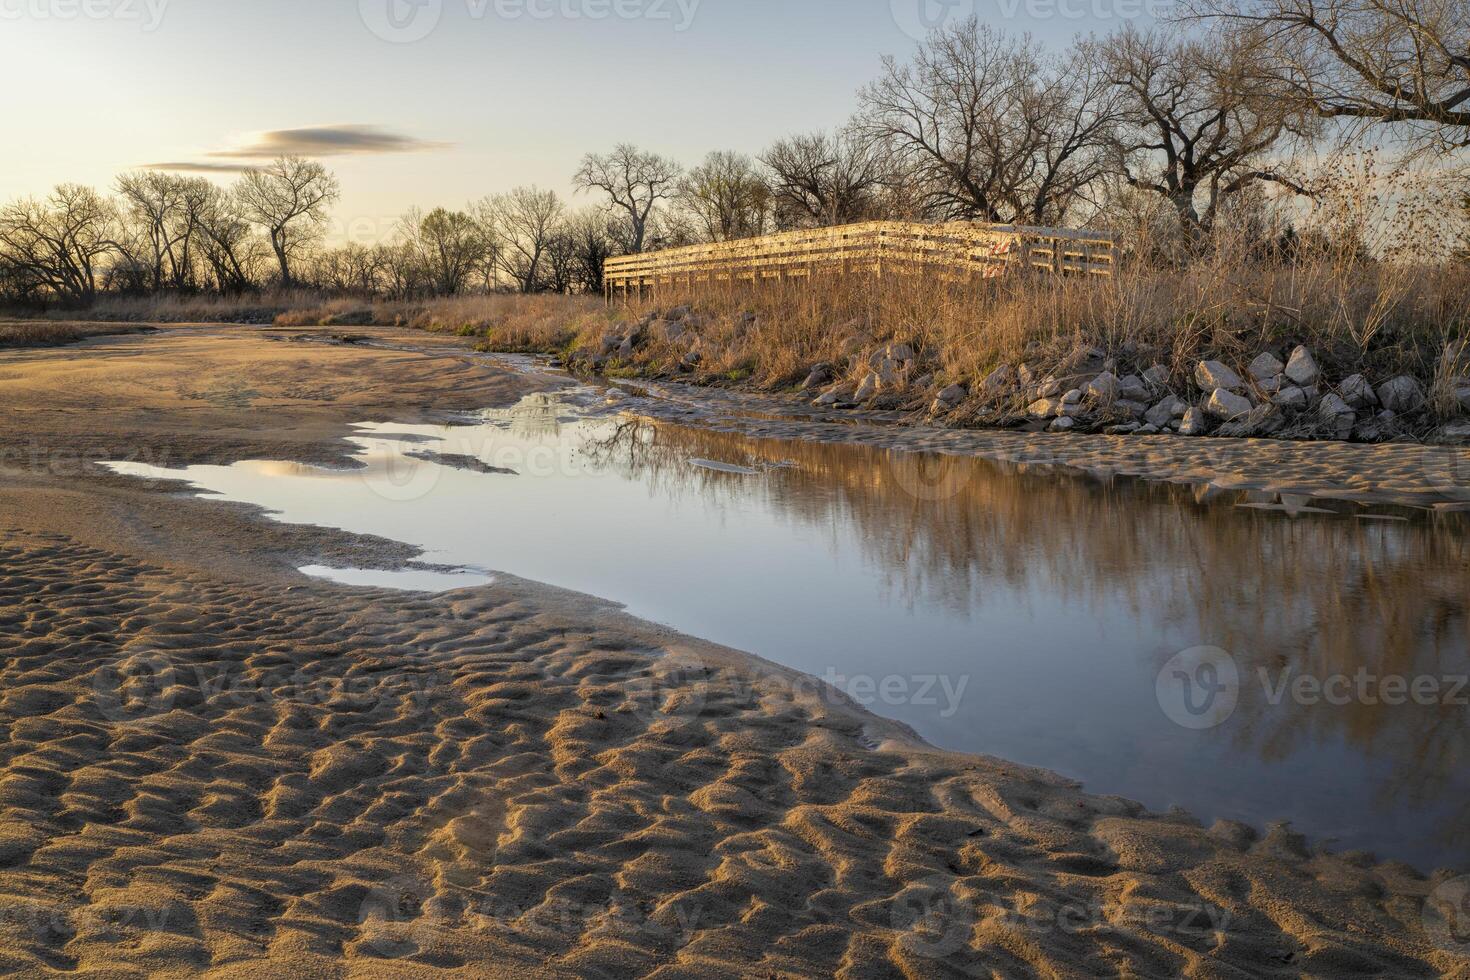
(1042, 605)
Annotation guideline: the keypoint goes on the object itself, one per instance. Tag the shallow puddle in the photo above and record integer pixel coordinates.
(1242, 656)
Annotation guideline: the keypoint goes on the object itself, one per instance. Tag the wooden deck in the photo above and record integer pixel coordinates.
(958, 250)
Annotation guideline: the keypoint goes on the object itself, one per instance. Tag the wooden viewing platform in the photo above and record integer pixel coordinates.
(955, 250)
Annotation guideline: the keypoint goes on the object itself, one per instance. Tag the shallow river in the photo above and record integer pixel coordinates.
(1241, 657)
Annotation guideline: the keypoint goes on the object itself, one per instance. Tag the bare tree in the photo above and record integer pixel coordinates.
(527, 220)
(990, 127)
(62, 243)
(289, 199)
(449, 245)
(403, 272)
(1199, 120)
(227, 241)
(1401, 62)
(165, 210)
(820, 179)
(727, 196)
(352, 268)
(591, 238)
(634, 182)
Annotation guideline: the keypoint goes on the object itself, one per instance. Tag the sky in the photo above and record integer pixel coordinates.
(440, 102)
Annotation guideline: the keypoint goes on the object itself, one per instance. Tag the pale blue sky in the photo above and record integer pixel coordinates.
(94, 91)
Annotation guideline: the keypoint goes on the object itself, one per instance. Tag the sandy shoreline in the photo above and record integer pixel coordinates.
(289, 778)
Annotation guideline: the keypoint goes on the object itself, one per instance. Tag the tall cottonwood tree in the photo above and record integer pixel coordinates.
(727, 196)
(1199, 120)
(990, 127)
(289, 198)
(449, 246)
(819, 179)
(1400, 62)
(527, 219)
(63, 243)
(164, 210)
(634, 182)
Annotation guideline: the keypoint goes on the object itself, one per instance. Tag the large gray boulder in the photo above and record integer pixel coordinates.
(1266, 367)
(997, 379)
(1337, 415)
(1291, 398)
(1158, 376)
(1133, 388)
(1226, 405)
(954, 394)
(1171, 408)
(947, 399)
(1402, 394)
(1045, 408)
(1210, 375)
(1103, 388)
(1194, 423)
(1302, 367)
(821, 374)
(1357, 392)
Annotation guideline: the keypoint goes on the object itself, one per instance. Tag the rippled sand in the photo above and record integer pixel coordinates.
(212, 765)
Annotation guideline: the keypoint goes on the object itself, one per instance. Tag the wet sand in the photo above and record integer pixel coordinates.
(215, 765)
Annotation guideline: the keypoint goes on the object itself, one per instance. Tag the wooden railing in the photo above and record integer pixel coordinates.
(957, 249)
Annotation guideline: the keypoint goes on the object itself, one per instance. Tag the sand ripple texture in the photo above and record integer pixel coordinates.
(237, 779)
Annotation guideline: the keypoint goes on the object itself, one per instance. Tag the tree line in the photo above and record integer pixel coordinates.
(1180, 124)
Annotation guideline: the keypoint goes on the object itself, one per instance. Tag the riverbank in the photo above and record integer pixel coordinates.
(215, 764)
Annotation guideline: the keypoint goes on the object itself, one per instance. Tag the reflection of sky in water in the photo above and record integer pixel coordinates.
(1019, 613)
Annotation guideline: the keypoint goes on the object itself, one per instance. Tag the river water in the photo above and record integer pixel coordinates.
(1240, 656)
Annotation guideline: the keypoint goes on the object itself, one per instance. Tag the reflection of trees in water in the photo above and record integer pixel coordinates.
(536, 416)
(1320, 595)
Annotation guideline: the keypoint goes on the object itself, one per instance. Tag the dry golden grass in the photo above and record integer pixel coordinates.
(1357, 314)
(34, 333)
(1378, 318)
